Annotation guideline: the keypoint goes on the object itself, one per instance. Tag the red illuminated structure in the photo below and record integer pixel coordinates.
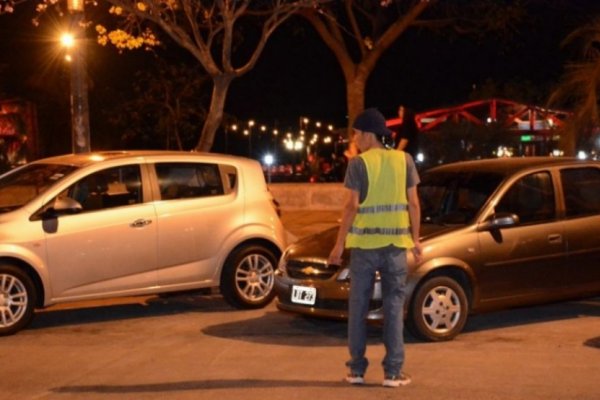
(532, 123)
(18, 132)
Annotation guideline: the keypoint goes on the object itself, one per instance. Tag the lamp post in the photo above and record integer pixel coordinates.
(249, 130)
(80, 116)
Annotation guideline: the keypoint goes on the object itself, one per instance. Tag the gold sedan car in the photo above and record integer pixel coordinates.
(496, 234)
(112, 224)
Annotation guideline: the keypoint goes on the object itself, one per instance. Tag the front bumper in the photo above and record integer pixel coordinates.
(331, 300)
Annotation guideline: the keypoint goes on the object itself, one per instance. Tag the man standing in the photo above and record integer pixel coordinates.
(380, 221)
(408, 132)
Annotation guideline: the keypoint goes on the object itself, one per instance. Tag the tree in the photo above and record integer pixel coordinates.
(226, 37)
(579, 89)
(166, 109)
(359, 32)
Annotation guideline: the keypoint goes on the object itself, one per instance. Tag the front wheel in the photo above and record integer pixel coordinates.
(438, 310)
(248, 277)
(17, 299)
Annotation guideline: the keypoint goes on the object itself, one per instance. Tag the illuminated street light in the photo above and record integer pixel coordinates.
(67, 40)
(269, 160)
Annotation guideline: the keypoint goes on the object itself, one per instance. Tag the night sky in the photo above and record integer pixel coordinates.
(298, 76)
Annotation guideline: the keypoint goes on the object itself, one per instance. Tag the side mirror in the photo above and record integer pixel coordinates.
(499, 221)
(66, 204)
(62, 206)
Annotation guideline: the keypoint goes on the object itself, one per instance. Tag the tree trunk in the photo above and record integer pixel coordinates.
(355, 99)
(214, 116)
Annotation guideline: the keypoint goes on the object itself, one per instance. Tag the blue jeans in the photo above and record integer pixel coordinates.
(392, 266)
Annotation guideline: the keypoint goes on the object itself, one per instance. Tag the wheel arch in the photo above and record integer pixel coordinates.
(457, 271)
(32, 273)
(270, 245)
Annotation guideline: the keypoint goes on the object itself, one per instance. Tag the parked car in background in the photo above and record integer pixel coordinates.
(113, 224)
(496, 234)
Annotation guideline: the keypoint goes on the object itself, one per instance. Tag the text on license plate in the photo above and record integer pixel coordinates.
(304, 295)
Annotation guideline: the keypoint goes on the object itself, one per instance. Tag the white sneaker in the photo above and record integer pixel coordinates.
(396, 380)
(355, 379)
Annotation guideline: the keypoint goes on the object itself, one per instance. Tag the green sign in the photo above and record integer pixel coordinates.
(526, 138)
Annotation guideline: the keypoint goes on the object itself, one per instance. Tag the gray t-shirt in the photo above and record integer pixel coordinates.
(357, 179)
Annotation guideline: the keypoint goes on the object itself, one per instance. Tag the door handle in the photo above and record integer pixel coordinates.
(555, 238)
(140, 223)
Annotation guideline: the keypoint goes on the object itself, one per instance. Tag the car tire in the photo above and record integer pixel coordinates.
(438, 310)
(248, 277)
(17, 299)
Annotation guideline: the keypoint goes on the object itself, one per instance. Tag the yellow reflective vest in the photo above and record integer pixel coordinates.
(382, 217)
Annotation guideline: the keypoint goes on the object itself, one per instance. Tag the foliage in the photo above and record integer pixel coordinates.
(210, 31)
(579, 88)
(166, 107)
(213, 33)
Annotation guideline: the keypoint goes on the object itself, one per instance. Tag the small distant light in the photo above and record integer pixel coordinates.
(420, 157)
(269, 159)
(582, 155)
(557, 153)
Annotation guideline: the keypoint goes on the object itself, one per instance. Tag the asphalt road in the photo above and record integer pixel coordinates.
(197, 347)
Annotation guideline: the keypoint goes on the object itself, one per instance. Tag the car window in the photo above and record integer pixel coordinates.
(113, 187)
(21, 185)
(581, 187)
(455, 197)
(531, 198)
(189, 180)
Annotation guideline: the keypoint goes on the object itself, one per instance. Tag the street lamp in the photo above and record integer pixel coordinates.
(80, 115)
(268, 160)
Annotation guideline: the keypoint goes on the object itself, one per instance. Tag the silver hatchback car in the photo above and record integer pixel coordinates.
(114, 224)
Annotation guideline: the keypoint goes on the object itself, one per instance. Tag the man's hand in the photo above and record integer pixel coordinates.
(417, 251)
(335, 257)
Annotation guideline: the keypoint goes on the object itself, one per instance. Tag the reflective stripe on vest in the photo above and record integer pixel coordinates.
(382, 208)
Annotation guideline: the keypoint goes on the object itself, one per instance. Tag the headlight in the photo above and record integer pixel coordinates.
(344, 275)
(283, 260)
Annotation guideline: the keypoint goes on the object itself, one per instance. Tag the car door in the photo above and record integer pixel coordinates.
(526, 260)
(581, 191)
(109, 247)
(199, 212)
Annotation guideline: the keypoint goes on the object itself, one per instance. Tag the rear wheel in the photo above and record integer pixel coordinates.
(17, 299)
(438, 310)
(248, 277)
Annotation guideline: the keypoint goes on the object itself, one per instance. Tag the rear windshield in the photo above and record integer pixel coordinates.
(21, 185)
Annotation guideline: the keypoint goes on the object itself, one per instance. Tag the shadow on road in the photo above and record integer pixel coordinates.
(128, 308)
(169, 387)
(534, 315)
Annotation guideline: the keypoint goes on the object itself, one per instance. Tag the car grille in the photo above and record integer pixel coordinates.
(310, 270)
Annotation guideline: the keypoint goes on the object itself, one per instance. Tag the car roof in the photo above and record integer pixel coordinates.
(84, 159)
(507, 166)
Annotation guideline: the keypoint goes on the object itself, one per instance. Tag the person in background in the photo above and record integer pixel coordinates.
(408, 132)
(380, 222)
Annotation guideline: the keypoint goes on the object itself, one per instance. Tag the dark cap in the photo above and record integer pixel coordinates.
(371, 120)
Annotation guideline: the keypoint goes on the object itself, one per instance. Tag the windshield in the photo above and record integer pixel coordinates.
(19, 186)
(455, 197)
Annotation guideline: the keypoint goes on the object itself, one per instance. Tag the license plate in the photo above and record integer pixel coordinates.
(304, 295)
